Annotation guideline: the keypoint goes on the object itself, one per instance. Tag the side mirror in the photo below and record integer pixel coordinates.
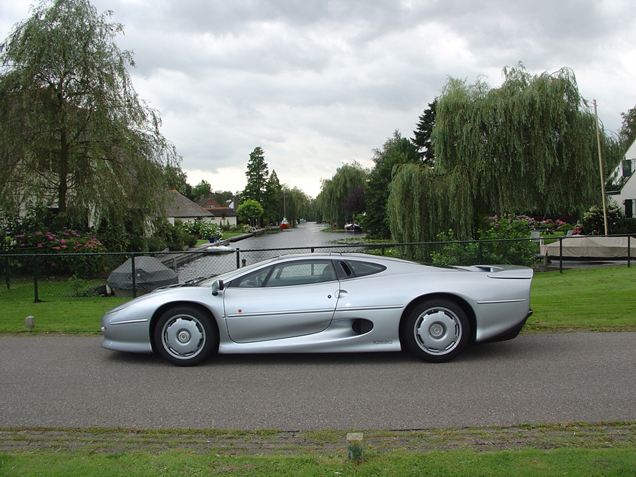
(217, 286)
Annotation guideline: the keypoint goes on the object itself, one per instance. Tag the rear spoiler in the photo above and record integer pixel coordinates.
(502, 271)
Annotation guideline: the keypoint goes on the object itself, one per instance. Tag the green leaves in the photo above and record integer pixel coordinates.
(73, 132)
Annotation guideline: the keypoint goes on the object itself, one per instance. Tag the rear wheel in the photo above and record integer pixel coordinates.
(184, 336)
(436, 330)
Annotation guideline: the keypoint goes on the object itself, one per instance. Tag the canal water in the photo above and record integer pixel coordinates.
(253, 249)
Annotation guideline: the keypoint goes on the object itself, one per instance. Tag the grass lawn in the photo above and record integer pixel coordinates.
(599, 299)
(525, 450)
(595, 299)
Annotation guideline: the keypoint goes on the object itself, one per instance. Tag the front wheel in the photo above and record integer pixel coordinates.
(184, 336)
(436, 330)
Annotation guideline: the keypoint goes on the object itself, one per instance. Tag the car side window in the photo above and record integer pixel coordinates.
(362, 269)
(301, 273)
(252, 280)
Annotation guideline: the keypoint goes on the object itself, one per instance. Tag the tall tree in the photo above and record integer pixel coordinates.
(177, 180)
(422, 140)
(257, 174)
(73, 132)
(530, 144)
(627, 133)
(395, 151)
(297, 204)
(272, 200)
(334, 191)
(203, 188)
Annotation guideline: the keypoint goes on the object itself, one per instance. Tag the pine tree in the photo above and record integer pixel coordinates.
(257, 174)
(422, 140)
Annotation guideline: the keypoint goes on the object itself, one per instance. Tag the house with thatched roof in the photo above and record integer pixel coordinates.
(180, 207)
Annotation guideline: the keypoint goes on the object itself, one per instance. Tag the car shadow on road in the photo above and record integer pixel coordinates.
(472, 353)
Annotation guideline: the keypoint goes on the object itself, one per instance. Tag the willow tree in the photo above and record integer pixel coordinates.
(335, 191)
(296, 204)
(422, 203)
(73, 133)
(529, 145)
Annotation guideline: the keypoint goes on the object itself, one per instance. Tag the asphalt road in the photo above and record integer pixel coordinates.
(72, 382)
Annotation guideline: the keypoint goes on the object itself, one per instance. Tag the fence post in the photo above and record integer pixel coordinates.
(35, 279)
(134, 276)
(382, 249)
(629, 251)
(560, 254)
(238, 259)
(8, 276)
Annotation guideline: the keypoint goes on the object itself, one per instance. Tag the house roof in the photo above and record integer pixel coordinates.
(179, 206)
(218, 212)
(208, 203)
(212, 206)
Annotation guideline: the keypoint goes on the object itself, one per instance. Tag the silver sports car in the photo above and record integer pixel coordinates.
(323, 303)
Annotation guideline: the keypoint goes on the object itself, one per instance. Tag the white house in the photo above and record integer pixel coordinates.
(623, 190)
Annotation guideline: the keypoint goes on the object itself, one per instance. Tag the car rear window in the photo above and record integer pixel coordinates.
(362, 269)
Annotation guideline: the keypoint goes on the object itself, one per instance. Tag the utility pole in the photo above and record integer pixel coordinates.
(600, 161)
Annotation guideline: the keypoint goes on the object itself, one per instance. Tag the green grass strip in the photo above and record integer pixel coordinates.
(525, 450)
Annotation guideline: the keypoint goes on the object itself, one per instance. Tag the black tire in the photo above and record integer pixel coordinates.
(436, 330)
(185, 336)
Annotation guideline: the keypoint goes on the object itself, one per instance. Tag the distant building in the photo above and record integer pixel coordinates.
(180, 207)
(221, 215)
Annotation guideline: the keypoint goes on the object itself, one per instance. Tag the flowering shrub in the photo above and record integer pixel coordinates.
(64, 242)
(203, 230)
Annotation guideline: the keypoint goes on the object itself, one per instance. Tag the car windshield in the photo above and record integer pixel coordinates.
(226, 277)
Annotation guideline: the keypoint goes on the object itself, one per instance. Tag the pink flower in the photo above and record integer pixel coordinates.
(62, 241)
(40, 245)
(56, 248)
(63, 246)
(38, 233)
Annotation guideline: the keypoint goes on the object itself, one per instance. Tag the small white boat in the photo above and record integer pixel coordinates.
(219, 249)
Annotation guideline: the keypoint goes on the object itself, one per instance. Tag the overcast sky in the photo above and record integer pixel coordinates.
(317, 83)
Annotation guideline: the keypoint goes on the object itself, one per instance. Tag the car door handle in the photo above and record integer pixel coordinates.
(341, 293)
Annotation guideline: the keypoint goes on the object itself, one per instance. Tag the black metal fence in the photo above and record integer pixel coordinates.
(48, 277)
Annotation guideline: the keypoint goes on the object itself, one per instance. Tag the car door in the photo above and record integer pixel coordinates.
(287, 299)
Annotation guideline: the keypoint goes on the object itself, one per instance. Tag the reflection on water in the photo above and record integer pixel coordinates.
(254, 249)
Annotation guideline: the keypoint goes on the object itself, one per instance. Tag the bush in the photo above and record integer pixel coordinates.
(66, 241)
(174, 246)
(593, 222)
(511, 252)
(204, 230)
(155, 244)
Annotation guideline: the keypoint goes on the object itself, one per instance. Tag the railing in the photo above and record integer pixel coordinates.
(58, 276)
